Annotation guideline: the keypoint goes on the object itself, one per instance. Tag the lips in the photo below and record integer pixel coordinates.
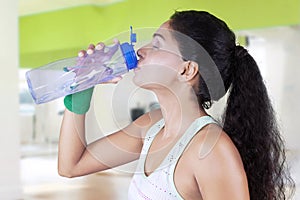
(138, 66)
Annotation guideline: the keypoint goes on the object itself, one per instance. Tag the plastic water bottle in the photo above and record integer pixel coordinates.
(75, 74)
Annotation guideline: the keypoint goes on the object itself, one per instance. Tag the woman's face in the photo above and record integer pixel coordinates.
(159, 61)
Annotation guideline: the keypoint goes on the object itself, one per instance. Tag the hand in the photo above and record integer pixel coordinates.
(91, 65)
(89, 61)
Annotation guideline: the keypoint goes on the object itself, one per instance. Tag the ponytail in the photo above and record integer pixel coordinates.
(249, 118)
(250, 122)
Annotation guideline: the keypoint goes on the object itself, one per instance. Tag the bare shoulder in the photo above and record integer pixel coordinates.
(218, 164)
(212, 144)
(149, 118)
(220, 145)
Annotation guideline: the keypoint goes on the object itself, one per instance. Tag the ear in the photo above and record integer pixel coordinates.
(188, 71)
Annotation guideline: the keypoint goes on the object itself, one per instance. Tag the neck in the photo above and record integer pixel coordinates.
(179, 108)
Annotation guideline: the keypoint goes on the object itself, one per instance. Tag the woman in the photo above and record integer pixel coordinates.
(183, 153)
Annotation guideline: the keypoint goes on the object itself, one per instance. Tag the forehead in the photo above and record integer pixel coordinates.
(167, 34)
(166, 25)
(164, 29)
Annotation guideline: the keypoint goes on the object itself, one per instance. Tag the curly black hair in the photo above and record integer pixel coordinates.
(249, 118)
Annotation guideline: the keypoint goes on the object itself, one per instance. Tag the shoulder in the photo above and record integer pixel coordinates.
(212, 144)
(149, 117)
(218, 165)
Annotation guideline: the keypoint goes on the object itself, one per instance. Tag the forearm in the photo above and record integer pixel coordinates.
(72, 143)
(74, 158)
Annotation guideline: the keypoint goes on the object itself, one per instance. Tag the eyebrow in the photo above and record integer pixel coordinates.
(158, 35)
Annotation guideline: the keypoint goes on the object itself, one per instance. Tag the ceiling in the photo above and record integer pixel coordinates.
(28, 7)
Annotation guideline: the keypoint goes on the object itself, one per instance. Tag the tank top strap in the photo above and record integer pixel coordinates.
(150, 135)
(183, 142)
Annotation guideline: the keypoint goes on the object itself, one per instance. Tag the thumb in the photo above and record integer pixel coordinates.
(115, 79)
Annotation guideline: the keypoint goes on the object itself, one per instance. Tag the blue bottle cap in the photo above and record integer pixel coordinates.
(132, 36)
(129, 53)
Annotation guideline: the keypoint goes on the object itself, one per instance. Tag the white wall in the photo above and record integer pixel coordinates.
(290, 101)
(112, 103)
(9, 142)
(277, 52)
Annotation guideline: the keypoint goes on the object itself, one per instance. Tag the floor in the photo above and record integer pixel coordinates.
(41, 182)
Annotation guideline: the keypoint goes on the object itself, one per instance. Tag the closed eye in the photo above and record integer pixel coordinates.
(155, 47)
(155, 43)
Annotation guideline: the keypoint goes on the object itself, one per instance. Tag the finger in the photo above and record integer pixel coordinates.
(91, 49)
(114, 80)
(81, 53)
(91, 46)
(113, 48)
(116, 41)
(100, 46)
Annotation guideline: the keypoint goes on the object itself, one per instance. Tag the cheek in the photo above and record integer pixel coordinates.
(166, 58)
(155, 74)
(159, 68)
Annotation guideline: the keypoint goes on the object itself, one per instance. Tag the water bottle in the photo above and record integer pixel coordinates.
(71, 75)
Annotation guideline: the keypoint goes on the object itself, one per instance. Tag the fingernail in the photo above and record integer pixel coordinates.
(116, 40)
(81, 53)
(99, 46)
(90, 51)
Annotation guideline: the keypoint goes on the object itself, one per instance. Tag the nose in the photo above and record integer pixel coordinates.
(140, 53)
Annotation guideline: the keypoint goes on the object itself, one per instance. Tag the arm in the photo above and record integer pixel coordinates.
(221, 173)
(76, 158)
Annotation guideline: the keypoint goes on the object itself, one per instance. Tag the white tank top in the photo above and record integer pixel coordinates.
(159, 185)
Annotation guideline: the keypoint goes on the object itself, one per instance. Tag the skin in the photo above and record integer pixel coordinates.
(210, 167)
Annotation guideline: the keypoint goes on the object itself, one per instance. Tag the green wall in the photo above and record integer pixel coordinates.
(46, 37)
